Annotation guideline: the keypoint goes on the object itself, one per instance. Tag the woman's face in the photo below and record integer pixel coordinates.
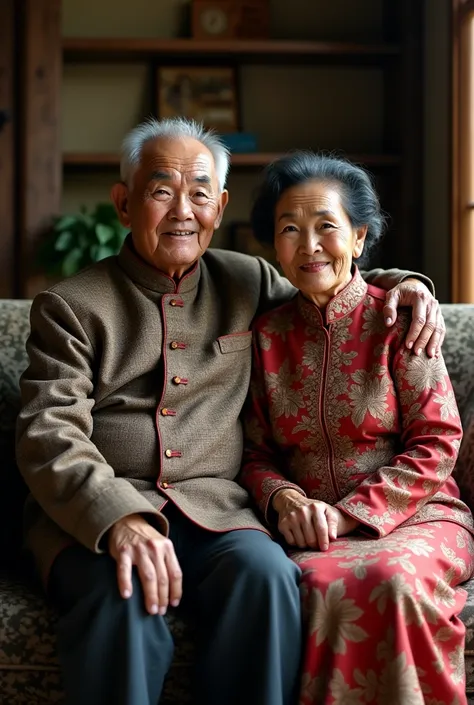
(315, 241)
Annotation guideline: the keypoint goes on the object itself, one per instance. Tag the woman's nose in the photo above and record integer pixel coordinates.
(310, 244)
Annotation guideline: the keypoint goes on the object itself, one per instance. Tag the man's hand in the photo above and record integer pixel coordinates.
(133, 541)
(427, 328)
(308, 522)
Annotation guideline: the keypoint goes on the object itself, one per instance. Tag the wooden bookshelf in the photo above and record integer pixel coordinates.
(244, 51)
(102, 161)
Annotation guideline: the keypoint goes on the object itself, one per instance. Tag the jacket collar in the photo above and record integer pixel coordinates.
(147, 276)
(339, 306)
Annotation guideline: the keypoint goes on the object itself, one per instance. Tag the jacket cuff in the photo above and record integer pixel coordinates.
(370, 524)
(422, 278)
(108, 508)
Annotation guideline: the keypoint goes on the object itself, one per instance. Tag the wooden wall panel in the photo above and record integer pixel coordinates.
(40, 86)
(7, 147)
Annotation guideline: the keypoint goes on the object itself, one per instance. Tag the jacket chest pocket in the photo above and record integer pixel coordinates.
(235, 342)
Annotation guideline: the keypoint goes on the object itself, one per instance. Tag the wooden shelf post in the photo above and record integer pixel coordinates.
(40, 149)
(7, 153)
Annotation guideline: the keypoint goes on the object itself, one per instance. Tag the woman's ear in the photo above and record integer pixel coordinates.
(119, 196)
(360, 235)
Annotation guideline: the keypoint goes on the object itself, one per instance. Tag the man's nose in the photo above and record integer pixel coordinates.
(181, 209)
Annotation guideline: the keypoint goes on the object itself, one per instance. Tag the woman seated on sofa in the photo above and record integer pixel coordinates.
(351, 442)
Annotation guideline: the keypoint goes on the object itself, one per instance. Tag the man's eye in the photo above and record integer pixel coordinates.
(160, 192)
(200, 194)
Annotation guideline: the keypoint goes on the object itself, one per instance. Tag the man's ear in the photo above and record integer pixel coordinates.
(223, 201)
(119, 195)
(361, 234)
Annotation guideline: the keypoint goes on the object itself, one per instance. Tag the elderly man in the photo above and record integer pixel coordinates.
(130, 442)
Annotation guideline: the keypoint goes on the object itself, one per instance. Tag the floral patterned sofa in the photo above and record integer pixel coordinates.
(29, 673)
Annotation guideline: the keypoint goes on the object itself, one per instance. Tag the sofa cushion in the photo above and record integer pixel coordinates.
(467, 616)
(14, 328)
(28, 657)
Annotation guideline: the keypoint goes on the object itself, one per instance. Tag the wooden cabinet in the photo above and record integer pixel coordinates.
(359, 95)
(390, 146)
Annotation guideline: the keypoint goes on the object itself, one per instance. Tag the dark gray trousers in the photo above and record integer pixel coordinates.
(244, 597)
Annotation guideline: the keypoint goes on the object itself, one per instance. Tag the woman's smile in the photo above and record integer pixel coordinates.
(313, 267)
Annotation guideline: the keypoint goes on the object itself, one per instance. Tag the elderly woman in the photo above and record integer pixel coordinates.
(351, 443)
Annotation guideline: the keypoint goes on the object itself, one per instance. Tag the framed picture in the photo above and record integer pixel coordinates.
(243, 240)
(205, 93)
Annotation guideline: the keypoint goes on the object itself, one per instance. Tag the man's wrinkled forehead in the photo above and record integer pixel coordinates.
(168, 159)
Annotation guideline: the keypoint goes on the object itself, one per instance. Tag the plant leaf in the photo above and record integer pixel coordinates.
(64, 241)
(64, 223)
(104, 251)
(104, 233)
(72, 262)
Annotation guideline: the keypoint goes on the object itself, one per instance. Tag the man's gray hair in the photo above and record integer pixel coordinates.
(171, 128)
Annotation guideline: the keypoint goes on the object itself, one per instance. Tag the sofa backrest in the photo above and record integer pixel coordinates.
(458, 350)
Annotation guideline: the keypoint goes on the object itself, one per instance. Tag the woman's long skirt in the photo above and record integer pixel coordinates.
(382, 618)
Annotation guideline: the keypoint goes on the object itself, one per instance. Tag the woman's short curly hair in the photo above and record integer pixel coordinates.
(358, 196)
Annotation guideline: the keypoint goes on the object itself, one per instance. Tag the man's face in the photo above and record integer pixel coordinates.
(173, 204)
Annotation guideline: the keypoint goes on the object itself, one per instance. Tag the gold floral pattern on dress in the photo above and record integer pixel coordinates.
(456, 661)
(398, 499)
(346, 301)
(287, 400)
(448, 406)
(334, 618)
(414, 604)
(280, 324)
(377, 456)
(374, 323)
(341, 691)
(424, 372)
(359, 566)
(264, 341)
(369, 394)
(399, 684)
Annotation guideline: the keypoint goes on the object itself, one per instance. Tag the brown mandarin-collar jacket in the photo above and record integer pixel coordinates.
(133, 395)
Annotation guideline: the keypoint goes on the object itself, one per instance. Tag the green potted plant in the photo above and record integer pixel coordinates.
(80, 239)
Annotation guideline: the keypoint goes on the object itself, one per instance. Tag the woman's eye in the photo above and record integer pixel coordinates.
(327, 226)
(289, 229)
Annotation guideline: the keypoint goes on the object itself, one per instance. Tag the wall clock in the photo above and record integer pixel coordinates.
(230, 19)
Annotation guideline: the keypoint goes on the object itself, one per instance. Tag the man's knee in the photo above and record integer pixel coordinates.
(264, 562)
(77, 573)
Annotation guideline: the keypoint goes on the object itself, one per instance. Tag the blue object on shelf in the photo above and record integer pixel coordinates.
(240, 142)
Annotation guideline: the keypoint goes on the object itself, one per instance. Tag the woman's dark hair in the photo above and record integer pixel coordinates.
(358, 196)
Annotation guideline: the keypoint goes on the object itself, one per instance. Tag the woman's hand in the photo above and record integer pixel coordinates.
(308, 522)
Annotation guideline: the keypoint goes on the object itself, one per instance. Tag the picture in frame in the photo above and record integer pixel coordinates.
(207, 94)
(243, 240)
